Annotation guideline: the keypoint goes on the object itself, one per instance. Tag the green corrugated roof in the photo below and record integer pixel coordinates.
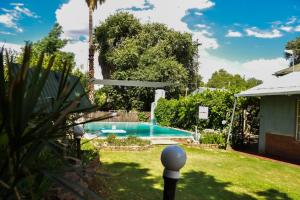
(50, 90)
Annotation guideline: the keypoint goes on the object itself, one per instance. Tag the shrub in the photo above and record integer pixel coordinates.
(143, 117)
(111, 139)
(183, 113)
(213, 138)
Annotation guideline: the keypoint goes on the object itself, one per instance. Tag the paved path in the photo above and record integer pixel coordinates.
(163, 142)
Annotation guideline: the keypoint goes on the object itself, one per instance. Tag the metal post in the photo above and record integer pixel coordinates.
(173, 159)
(78, 147)
(231, 122)
(169, 188)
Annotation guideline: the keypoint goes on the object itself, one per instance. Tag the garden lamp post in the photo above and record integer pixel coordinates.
(78, 133)
(173, 159)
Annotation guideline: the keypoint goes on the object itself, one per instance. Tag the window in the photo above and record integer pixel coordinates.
(298, 120)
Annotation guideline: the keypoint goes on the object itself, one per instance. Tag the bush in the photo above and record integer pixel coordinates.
(143, 117)
(111, 139)
(183, 113)
(212, 138)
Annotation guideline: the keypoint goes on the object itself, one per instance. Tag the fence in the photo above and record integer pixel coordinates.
(123, 116)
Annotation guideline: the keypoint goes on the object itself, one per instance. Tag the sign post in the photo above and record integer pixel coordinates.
(203, 112)
(202, 115)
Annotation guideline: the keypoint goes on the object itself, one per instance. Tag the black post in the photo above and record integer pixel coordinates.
(169, 188)
(78, 148)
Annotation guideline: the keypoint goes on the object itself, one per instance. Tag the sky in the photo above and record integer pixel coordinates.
(241, 36)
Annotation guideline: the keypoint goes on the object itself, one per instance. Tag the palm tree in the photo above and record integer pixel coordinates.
(92, 4)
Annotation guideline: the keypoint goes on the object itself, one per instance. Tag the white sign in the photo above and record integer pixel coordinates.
(203, 112)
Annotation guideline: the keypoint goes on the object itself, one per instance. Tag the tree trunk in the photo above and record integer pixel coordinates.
(91, 56)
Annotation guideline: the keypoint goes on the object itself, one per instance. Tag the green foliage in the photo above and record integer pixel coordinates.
(112, 140)
(32, 141)
(50, 45)
(295, 46)
(130, 50)
(143, 117)
(52, 42)
(223, 79)
(100, 98)
(83, 77)
(183, 113)
(213, 138)
(93, 4)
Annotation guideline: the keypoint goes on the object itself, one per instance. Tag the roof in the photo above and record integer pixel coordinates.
(285, 85)
(202, 89)
(132, 83)
(50, 90)
(288, 70)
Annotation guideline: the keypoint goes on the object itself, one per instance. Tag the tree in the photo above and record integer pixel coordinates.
(111, 33)
(130, 50)
(294, 45)
(223, 79)
(51, 44)
(92, 4)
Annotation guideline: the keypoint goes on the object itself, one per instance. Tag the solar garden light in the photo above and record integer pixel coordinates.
(173, 159)
(78, 133)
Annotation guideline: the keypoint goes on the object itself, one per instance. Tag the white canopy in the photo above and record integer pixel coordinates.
(285, 85)
(132, 83)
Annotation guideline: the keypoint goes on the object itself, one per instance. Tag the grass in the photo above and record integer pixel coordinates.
(208, 174)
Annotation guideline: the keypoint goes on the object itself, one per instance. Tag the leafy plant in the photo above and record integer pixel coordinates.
(183, 113)
(32, 134)
(111, 138)
(212, 138)
(143, 117)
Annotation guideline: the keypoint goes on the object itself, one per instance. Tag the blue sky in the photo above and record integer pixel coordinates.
(233, 32)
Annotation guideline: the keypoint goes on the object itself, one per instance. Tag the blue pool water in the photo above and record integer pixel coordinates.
(124, 129)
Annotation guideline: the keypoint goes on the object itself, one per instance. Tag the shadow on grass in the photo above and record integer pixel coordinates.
(130, 181)
(272, 194)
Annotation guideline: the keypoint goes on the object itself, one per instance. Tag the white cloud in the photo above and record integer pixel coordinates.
(286, 28)
(291, 20)
(6, 33)
(15, 47)
(297, 28)
(201, 26)
(25, 11)
(255, 32)
(232, 33)
(198, 13)
(10, 18)
(260, 68)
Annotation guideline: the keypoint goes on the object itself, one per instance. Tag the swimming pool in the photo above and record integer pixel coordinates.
(124, 129)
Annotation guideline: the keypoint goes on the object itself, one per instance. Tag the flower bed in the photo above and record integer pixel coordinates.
(112, 143)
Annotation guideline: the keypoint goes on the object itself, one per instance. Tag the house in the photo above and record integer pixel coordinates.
(279, 133)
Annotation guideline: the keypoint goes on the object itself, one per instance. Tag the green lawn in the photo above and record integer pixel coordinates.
(208, 174)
